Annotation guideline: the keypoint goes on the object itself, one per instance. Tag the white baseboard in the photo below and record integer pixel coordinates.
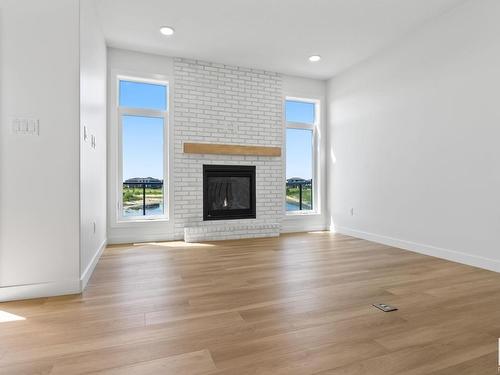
(303, 223)
(84, 279)
(48, 289)
(302, 227)
(132, 238)
(51, 288)
(452, 255)
(286, 227)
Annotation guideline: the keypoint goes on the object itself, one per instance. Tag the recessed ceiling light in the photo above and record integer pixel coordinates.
(166, 30)
(314, 58)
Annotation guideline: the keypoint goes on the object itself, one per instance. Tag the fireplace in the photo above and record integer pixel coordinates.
(228, 192)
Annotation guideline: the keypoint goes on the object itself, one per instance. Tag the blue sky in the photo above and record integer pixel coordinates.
(299, 141)
(299, 112)
(143, 136)
(298, 153)
(143, 95)
(142, 147)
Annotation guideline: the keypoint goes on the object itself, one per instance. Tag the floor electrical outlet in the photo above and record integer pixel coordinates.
(384, 307)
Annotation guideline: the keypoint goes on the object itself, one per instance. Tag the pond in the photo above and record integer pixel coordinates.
(157, 209)
(151, 210)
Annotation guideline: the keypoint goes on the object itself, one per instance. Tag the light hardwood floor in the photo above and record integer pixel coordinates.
(300, 304)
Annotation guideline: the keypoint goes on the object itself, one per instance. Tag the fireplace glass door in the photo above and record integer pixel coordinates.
(228, 192)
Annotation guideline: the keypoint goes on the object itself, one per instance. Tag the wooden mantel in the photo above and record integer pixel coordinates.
(225, 149)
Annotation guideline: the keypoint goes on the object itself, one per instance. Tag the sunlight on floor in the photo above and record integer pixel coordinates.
(8, 317)
(178, 244)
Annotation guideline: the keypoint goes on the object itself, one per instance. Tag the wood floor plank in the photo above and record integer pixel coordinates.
(477, 366)
(439, 355)
(195, 363)
(298, 304)
(308, 361)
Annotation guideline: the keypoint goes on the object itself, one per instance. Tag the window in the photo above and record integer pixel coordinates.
(301, 124)
(143, 124)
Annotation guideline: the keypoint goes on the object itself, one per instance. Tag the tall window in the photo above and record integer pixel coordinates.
(301, 123)
(143, 121)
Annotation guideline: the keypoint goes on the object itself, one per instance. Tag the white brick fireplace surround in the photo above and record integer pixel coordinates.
(216, 103)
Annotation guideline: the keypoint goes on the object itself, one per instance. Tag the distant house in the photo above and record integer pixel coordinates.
(148, 181)
(298, 181)
(295, 180)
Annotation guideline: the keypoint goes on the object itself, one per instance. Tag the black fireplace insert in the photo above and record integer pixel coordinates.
(228, 192)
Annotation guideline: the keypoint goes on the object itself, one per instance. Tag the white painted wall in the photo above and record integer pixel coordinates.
(308, 88)
(39, 175)
(414, 141)
(93, 70)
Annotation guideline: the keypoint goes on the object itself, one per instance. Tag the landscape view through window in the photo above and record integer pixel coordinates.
(300, 118)
(143, 148)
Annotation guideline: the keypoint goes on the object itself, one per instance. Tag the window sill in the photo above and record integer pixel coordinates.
(301, 213)
(124, 223)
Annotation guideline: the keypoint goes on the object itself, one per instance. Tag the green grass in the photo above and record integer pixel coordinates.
(135, 194)
(292, 194)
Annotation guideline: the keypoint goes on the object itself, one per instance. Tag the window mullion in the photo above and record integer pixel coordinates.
(298, 125)
(141, 112)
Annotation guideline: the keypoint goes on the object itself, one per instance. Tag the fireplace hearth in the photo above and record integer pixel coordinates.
(228, 192)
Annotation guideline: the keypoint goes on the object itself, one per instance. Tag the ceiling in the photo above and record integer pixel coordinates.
(276, 35)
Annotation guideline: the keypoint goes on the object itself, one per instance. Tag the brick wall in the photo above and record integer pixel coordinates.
(215, 103)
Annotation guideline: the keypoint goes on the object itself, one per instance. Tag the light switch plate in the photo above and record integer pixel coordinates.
(25, 126)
